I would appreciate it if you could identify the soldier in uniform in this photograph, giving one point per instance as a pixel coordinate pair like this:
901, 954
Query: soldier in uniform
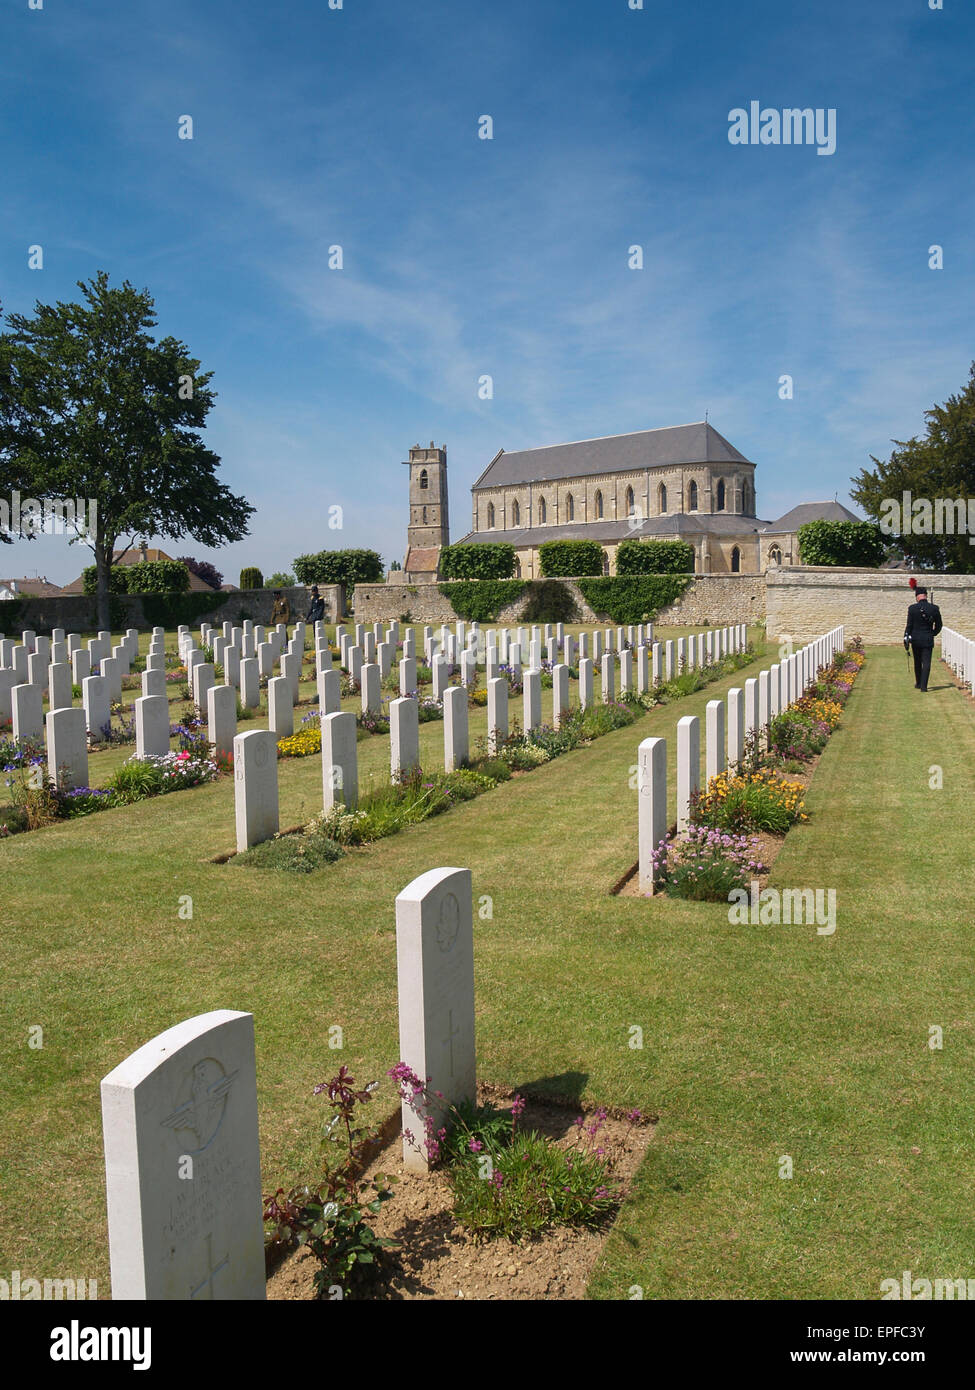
923, 625
316, 609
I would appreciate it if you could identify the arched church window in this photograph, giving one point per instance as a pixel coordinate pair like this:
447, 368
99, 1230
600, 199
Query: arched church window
423, 478
661, 499
515, 514
775, 556
570, 507
692, 497
599, 504
630, 502
735, 560
721, 491
541, 511
490, 516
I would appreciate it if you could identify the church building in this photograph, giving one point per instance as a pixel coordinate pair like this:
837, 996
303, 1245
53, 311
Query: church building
683, 482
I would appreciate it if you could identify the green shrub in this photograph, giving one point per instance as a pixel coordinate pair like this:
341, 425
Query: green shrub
475, 561
481, 600
118, 582
158, 577
654, 557
349, 567
853, 543
294, 854
568, 559
494, 768
169, 610
626, 599
251, 578
549, 601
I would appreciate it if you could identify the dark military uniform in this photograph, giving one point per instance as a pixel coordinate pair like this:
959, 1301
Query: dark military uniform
923, 625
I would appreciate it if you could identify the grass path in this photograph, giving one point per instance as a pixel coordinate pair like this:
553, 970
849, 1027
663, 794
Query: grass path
758, 1041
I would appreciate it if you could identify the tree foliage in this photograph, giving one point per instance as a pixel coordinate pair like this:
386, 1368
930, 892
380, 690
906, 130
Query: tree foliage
478, 561
91, 406
251, 578
632, 598
854, 543
568, 559
938, 467
203, 570
654, 557
347, 567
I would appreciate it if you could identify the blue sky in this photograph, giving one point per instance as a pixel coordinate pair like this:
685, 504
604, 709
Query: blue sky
506, 257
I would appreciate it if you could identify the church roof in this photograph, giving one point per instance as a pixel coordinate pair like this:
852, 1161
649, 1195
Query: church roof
423, 561
616, 453
811, 511
675, 525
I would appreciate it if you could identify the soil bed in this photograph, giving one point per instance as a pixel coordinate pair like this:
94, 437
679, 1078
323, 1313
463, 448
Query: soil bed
439, 1259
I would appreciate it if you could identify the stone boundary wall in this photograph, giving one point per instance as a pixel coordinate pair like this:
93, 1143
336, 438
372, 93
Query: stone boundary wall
720, 600
78, 612
805, 600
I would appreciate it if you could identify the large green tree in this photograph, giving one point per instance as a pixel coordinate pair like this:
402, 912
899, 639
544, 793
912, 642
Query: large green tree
92, 407
938, 468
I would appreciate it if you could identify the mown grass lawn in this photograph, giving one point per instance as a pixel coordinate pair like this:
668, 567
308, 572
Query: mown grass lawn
758, 1042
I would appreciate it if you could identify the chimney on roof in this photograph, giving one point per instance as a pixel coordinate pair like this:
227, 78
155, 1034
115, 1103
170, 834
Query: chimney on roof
143, 552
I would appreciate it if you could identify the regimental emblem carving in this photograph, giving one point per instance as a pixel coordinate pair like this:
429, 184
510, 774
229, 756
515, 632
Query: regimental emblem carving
449, 924
202, 1103
260, 754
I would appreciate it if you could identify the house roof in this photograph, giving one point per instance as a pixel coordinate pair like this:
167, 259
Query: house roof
32, 588
617, 453
134, 557
810, 511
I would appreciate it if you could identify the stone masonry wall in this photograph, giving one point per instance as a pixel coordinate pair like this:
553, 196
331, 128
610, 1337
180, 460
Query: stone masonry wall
78, 612
719, 600
804, 601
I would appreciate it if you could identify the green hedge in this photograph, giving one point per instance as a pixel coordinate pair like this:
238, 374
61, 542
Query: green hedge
654, 557
251, 578
477, 561
549, 601
157, 577
117, 580
857, 543
169, 610
628, 599
481, 600
339, 567
567, 559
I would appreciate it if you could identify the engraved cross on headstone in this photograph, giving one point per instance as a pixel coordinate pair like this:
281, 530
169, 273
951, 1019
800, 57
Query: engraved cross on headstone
214, 1270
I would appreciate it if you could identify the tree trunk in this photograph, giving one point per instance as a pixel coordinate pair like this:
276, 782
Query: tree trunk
103, 556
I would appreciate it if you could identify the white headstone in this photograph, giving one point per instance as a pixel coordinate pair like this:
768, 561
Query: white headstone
688, 768
280, 708
152, 726
250, 686
67, 748
371, 688
435, 974
340, 771
532, 700
28, 719
714, 753
256, 787
97, 708
455, 728
222, 718
183, 1166
497, 707
560, 694
329, 692
652, 784
585, 682
59, 685
404, 736
407, 675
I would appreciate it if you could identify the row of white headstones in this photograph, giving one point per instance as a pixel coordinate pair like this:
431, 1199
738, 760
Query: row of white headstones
728, 725
180, 1124
255, 751
39, 665
958, 652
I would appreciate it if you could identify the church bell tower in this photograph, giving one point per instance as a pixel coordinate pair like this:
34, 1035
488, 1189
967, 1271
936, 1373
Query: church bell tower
429, 528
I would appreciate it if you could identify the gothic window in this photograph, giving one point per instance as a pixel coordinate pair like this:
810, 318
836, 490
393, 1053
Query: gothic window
775, 555
735, 560
423, 478
599, 504
692, 497
570, 508
661, 499
515, 514
630, 502
541, 511
721, 495
490, 516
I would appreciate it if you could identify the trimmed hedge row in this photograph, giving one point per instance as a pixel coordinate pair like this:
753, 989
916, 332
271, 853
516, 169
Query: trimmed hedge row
481, 600
147, 577
654, 557
477, 561
568, 559
633, 598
